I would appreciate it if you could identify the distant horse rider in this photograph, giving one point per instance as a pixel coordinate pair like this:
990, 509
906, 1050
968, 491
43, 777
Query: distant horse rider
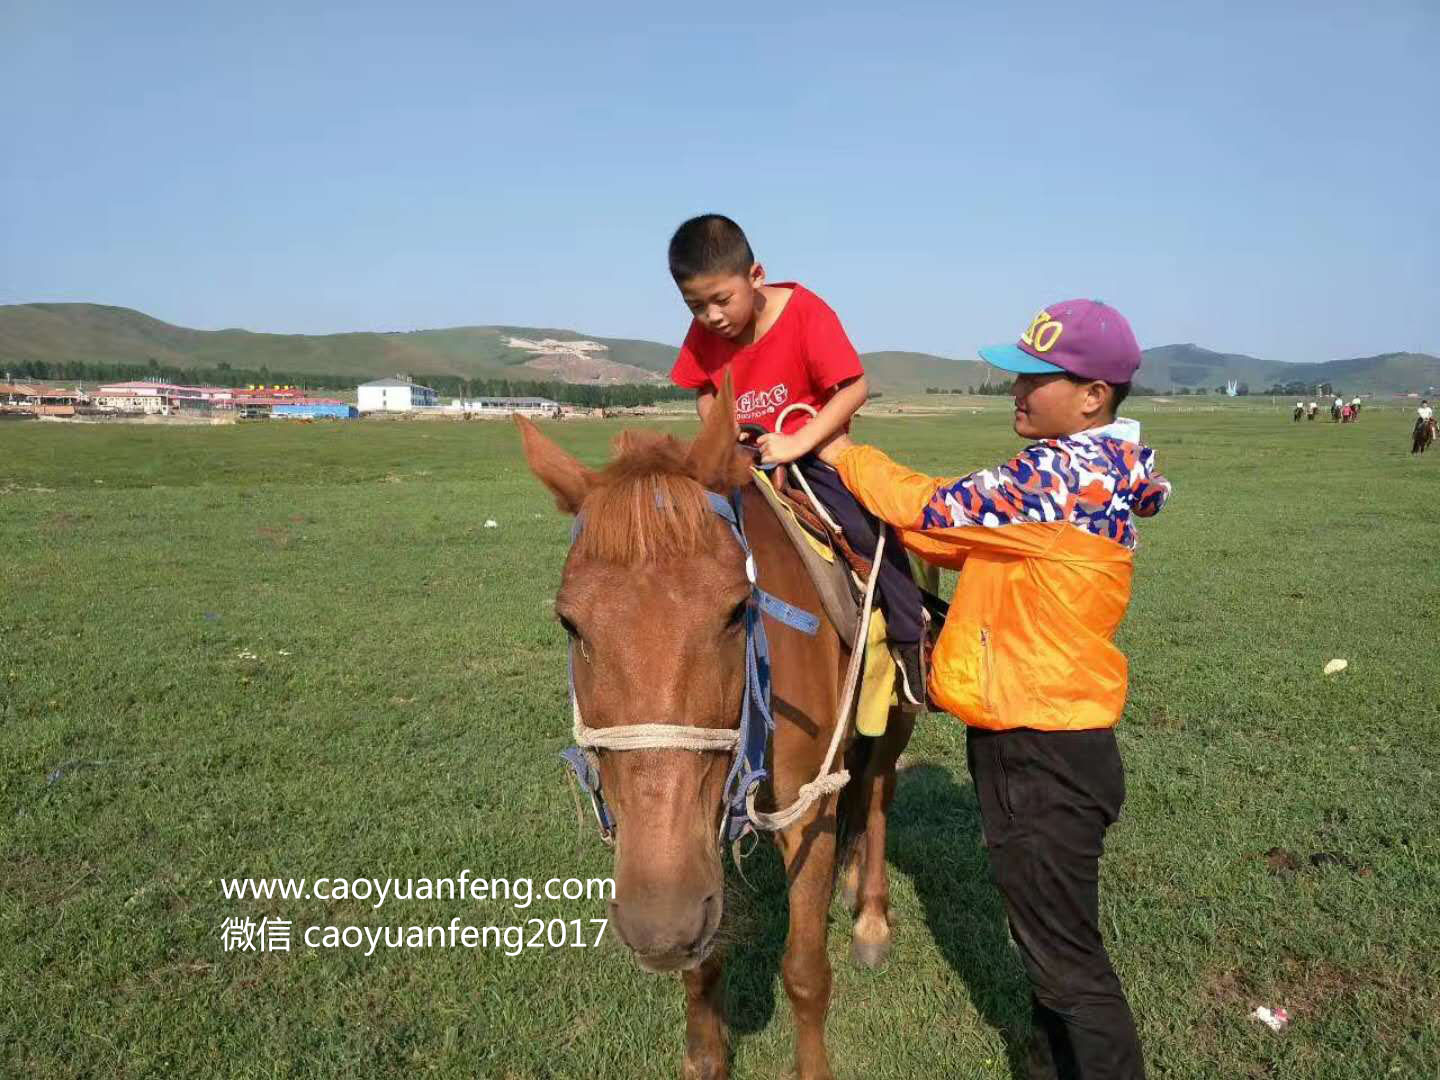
1299, 410
1310, 413
1336, 408
1424, 432
1355, 406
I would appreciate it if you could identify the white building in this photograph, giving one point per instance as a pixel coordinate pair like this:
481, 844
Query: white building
393, 395
158, 398
508, 406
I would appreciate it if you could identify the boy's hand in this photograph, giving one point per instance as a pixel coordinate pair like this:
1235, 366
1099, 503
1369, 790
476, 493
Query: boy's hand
779, 449
830, 451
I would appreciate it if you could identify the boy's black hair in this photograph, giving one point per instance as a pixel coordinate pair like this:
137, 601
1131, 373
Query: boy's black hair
709, 244
1119, 391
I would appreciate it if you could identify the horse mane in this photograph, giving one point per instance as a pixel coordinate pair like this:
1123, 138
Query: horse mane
645, 505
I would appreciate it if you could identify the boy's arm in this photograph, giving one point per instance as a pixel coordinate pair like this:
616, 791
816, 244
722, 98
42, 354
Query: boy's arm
778, 448
832, 362
704, 399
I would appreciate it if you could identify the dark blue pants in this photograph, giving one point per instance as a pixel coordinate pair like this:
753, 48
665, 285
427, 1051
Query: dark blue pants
899, 595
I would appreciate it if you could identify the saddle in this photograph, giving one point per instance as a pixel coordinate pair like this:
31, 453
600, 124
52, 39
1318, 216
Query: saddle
832, 563
839, 573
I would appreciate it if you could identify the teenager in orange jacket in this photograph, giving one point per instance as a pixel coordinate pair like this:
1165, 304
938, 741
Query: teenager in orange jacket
1027, 656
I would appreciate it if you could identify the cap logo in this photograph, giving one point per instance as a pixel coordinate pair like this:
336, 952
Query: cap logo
1043, 332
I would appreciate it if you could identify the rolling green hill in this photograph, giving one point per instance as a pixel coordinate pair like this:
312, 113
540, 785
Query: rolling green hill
1191, 366
96, 333
92, 333
911, 372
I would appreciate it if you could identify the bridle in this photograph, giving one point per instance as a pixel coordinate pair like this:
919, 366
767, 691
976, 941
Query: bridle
746, 743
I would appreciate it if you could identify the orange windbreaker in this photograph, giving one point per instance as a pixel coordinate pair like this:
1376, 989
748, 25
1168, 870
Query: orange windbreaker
1045, 546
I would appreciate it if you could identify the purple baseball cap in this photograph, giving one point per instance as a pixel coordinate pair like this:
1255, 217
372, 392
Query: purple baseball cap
1084, 337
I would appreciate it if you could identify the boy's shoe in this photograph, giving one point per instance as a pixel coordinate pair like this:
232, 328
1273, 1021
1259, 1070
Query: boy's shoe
910, 686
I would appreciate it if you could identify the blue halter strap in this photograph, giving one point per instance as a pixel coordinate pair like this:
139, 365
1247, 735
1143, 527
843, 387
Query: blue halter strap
757, 721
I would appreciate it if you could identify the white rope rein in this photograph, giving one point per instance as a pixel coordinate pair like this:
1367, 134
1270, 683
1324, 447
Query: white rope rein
652, 736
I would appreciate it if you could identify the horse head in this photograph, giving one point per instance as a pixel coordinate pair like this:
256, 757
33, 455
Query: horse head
653, 597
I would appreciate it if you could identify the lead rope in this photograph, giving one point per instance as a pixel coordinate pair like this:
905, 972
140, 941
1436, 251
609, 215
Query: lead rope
826, 782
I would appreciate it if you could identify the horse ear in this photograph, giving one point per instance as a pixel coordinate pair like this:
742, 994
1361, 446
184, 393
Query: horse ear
567, 479
714, 458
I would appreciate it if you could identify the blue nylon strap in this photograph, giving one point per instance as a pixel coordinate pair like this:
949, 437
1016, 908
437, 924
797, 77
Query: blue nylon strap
788, 614
777, 609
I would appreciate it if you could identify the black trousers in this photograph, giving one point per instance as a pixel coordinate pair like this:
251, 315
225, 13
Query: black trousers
1046, 799
896, 588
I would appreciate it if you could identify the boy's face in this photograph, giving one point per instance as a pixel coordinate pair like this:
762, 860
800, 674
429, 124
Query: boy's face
723, 303
1052, 406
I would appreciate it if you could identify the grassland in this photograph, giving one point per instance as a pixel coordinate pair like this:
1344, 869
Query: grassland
297, 651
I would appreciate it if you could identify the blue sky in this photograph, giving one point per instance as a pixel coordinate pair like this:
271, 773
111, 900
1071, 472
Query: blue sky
1255, 178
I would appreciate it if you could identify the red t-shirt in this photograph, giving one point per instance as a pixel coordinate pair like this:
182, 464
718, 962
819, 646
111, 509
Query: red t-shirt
802, 357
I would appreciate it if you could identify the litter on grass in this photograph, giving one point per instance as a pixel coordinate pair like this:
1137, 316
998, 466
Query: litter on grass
491, 523
1336, 666
1275, 1020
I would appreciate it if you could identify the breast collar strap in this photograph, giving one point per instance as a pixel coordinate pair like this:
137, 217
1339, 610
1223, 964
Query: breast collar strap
747, 743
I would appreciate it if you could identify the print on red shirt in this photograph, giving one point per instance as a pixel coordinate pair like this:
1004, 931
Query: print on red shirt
801, 358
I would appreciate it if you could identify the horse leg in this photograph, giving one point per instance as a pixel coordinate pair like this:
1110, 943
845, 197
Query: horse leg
808, 848
870, 941
706, 1055
850, 874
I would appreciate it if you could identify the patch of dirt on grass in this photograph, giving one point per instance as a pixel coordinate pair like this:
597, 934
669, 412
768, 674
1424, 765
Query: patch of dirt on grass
1228, 987
64, 521
1305, 988
1283, 862
278, 535
1279, 860
42, 882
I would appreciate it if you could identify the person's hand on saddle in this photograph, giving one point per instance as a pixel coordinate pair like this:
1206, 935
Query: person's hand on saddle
780, 449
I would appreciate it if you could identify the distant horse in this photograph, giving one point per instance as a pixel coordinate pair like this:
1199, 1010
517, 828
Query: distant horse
1312, 412
1334, 412
657, 596
1423, 436
1299, 411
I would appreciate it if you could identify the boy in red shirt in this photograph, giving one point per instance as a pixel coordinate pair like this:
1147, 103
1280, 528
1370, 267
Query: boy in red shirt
783, 345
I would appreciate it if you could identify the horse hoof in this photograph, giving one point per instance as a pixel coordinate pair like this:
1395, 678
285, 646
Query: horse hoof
869, 954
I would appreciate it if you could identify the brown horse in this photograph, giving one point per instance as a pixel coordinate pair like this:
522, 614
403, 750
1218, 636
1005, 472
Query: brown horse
1424, 435
653, 595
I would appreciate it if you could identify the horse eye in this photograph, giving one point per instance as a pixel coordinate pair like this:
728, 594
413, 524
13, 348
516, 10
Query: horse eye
738, 615
568, 626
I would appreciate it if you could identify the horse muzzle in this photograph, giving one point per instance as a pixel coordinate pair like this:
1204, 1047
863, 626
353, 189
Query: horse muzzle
669, 937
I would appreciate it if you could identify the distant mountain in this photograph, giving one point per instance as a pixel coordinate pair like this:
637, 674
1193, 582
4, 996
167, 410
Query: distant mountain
911, 372
95, 333
1189, 365
1174, 366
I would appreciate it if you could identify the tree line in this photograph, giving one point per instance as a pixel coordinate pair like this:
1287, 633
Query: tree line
1004, 389
625, 395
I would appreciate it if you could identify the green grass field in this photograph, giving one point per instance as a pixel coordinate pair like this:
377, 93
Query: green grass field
296, 651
